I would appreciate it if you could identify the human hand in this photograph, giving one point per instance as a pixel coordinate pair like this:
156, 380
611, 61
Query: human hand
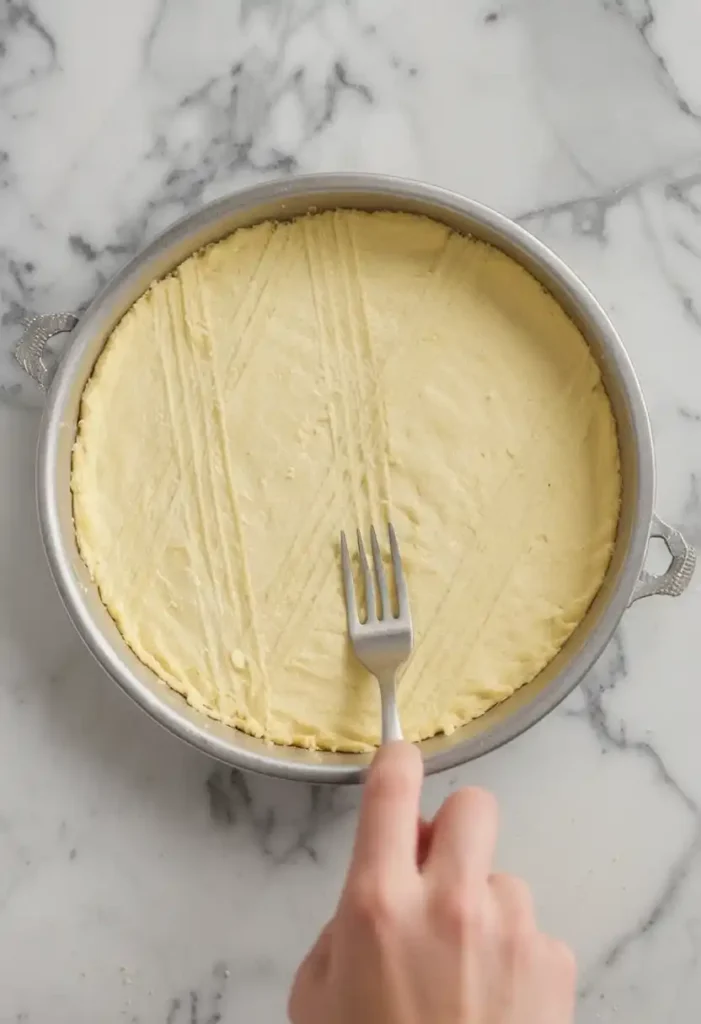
424, 931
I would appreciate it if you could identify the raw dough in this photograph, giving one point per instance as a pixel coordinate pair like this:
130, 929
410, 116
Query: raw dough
302, 377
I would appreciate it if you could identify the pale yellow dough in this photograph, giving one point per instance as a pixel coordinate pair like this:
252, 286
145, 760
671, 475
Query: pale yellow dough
302, 377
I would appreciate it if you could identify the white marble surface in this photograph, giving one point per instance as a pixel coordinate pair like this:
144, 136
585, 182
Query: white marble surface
140, 882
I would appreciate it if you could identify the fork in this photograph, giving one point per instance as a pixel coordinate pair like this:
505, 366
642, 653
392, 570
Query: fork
380, 643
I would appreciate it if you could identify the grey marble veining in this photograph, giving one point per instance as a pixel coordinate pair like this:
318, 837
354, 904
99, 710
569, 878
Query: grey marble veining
140, 882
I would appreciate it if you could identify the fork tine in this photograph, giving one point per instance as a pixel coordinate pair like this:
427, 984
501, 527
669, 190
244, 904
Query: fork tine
385, 603
348, 586
370, 603
399, 580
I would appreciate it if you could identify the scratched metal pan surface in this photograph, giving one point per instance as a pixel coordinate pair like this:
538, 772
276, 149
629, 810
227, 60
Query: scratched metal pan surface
626, 579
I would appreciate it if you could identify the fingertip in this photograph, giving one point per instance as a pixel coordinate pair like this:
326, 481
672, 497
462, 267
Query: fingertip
397, 770
564, 958
516, 899
398, 752
465, 832
474, 802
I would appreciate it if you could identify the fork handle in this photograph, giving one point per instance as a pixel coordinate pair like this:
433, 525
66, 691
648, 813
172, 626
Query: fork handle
391, 726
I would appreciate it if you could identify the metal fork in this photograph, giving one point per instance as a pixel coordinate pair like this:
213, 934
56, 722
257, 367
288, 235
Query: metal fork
381, 643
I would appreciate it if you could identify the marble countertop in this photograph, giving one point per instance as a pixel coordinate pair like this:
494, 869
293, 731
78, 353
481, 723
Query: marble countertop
140, 882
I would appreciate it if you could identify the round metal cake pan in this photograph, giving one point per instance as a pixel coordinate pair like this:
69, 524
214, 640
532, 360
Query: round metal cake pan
626, 579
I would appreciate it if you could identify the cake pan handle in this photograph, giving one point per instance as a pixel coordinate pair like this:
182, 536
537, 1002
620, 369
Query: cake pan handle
677, 577
31, 348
